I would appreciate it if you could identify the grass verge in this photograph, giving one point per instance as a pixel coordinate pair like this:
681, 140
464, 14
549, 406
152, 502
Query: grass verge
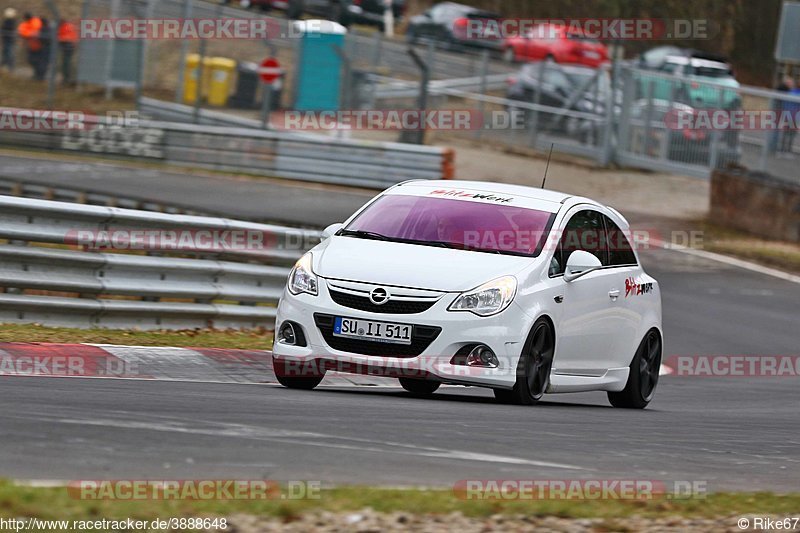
258, 339
57, 504
778, 254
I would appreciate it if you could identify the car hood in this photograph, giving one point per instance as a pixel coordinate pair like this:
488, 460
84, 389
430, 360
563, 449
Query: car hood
411, 265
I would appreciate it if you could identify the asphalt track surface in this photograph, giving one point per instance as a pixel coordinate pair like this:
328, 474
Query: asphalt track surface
260, 200
731, 433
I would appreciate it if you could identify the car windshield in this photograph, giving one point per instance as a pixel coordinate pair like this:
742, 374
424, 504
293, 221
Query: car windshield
582, 38
460, 224
712, 71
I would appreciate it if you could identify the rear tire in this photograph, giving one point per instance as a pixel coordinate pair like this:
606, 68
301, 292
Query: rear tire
533, 369
643, 375
419, 387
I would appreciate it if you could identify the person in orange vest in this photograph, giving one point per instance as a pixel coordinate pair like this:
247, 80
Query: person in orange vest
29, 30
67, 41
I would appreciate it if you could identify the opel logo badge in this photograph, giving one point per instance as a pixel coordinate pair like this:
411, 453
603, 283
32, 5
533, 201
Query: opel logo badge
379, 296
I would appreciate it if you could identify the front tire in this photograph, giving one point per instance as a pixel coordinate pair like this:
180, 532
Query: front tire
419, 387
643, 375
307, 381
533, 369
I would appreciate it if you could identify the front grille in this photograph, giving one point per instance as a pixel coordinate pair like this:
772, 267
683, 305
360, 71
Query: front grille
395, 307
421, 338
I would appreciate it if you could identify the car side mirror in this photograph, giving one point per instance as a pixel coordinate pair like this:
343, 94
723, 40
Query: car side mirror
579, 264
331, 230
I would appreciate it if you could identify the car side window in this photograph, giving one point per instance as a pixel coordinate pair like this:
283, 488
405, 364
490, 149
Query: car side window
620, 252
584, 231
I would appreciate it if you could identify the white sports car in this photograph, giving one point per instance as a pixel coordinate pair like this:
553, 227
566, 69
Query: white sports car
522, 290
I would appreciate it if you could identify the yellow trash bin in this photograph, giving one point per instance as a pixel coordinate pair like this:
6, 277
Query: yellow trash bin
191, 76
220, 80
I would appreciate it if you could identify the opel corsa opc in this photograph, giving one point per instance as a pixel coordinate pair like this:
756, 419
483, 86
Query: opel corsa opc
522, 290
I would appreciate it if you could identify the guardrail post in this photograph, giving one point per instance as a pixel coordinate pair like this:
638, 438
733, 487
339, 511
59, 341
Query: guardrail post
52, 60
607, 153
345, 98
187, 14
628, 91
537, 99
648, 115
418, 137
483, 85
663, 152
431, 55
377, 50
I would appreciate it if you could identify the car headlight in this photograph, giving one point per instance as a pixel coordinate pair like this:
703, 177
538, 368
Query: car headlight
302, 278
488, 299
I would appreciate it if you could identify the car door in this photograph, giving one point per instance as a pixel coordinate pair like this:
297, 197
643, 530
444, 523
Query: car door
587, 318
635, 294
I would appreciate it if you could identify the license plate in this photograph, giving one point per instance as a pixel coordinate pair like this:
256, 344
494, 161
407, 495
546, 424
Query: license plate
592, 55
372, 331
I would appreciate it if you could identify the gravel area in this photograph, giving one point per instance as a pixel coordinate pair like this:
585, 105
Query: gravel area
367, 521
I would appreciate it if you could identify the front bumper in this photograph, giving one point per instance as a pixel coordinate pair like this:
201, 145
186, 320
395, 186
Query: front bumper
504, 333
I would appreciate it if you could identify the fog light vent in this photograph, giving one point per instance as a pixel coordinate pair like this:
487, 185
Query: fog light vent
291, 334
475, 355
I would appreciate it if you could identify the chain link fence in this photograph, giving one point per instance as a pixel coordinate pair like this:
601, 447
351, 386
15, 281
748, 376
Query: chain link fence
640, 118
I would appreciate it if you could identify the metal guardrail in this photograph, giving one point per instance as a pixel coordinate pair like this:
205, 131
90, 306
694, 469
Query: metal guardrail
218, 286
394, 88
307, 157
22, 188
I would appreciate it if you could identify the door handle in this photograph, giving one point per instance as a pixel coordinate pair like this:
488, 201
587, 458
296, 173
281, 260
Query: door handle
613, 294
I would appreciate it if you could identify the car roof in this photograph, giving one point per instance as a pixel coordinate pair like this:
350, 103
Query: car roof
697, 62
533, 197
553, 198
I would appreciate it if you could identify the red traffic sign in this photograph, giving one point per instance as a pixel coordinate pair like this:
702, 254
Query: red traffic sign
270, 70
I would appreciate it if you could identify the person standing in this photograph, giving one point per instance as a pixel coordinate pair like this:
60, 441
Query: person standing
67, 41
776, 136
8, 37
792, 109
29, 30
43, 59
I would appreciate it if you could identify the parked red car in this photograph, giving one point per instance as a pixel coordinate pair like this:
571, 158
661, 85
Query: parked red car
555, 42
